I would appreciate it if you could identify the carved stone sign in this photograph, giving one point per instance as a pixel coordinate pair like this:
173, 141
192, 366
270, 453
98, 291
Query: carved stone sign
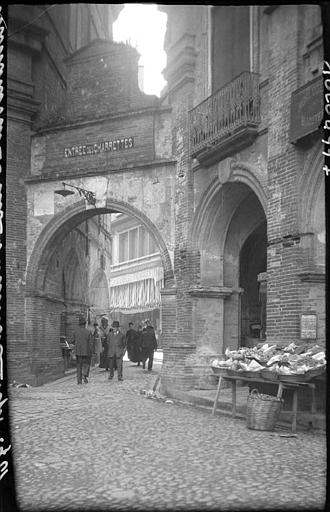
306, 109
308, 326
99, 147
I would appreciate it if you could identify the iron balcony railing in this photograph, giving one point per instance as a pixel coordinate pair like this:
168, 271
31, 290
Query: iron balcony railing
234, 106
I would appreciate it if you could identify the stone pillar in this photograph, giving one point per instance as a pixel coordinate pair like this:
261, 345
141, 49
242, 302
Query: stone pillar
208, 332
168, 313
173, 375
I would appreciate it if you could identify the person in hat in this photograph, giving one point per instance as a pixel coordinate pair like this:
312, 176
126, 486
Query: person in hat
104, 331
132, 340
149, 345
83, 341
116, 350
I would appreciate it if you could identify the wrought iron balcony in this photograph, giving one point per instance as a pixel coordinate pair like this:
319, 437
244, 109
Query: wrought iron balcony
227, 121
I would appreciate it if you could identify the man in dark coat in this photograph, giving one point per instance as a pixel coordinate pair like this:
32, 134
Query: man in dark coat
130, 341
83, 341
149, 345
104, 331
116, 350
133, 349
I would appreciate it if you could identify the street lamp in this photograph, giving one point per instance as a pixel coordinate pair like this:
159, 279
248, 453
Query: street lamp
87, 194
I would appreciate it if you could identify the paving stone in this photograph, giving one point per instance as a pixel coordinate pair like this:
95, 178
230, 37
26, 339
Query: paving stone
104, 446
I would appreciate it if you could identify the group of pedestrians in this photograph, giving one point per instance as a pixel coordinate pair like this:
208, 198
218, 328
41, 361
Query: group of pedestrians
107, 346
141, 344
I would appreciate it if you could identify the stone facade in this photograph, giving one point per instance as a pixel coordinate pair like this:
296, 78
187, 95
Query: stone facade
102, 135
250, 246
220, 176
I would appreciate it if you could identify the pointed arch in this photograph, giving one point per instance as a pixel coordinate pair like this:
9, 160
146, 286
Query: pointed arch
98, 291
69, 218
239, 172
309, 184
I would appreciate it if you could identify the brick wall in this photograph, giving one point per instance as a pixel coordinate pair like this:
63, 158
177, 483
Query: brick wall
21, 107
102, 88
27, 63
282, 292
286, 296
16, 217
275, 162
45, 358
102, 80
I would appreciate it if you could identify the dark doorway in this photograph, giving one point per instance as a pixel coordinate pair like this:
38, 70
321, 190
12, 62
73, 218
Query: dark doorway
253, 262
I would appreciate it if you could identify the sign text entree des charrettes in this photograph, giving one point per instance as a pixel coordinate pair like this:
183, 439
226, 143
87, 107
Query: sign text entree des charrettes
99, 147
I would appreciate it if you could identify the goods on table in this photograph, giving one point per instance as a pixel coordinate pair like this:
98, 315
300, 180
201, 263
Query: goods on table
290, 360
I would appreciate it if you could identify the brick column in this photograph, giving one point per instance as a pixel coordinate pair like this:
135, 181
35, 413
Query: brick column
283, 255
20, 109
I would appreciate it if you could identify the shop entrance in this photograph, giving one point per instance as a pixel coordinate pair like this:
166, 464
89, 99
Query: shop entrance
253, 262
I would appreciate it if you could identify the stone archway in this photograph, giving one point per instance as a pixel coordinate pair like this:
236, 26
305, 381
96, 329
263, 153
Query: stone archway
229, 171
311, 211
228, 213
44, 308
62, 223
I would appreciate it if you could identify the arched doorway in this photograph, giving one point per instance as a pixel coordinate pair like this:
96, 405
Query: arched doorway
244, 259
58, 281
229, 229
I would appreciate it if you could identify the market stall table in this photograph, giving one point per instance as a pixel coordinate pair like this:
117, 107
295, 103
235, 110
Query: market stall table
282, 384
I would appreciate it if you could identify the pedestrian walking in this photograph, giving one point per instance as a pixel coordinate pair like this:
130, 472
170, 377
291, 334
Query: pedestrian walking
83, 341
104, 331
139, 344
97, 343
133, 352
116, 350
149, 345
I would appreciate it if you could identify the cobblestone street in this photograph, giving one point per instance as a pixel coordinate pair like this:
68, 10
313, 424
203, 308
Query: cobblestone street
105, 446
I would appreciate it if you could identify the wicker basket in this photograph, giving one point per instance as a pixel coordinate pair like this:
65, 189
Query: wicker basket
262, 411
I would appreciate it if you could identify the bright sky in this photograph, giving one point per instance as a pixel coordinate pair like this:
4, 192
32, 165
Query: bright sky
143, 26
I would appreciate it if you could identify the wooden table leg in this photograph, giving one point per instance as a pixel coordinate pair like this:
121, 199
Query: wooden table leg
280, 390
294, 410
233, 398
216, 396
